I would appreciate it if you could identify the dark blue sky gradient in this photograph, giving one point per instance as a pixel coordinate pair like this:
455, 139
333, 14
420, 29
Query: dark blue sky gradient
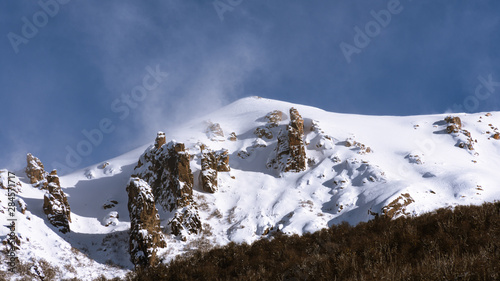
65, 79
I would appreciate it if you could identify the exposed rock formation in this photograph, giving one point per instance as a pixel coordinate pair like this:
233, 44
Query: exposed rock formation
273, 119
167, 170
321, 140
22, 205
262, 132
12, 242
35, 170
160, 140
213, 162
103, 165
185, 221
233, 137
55, 204
214, 132
109, 204
397, 207
290, 155
455, 124
362, 149
145, 232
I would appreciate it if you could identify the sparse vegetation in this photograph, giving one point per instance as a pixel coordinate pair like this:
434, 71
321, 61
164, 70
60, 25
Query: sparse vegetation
459, 244
216, 214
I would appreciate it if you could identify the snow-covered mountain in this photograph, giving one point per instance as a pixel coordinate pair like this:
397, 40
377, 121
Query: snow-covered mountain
244, 172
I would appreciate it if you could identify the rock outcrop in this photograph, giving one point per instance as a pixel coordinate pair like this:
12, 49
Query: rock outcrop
397, 207
35, 171
233, 136
214, 132
55, 204
290, 155
167, 170
320, 140
273, 119
361, 148
145, 233
213, 162
263, 132
160, 140
455, 124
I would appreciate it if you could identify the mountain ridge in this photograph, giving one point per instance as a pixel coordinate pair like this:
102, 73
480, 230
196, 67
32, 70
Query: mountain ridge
357, 167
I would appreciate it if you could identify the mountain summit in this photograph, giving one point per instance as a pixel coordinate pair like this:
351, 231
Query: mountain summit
245, 172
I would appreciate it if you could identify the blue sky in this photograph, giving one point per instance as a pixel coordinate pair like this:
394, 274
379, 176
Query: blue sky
69, 66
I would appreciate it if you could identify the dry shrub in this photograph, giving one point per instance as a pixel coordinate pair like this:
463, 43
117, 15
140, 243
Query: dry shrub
459, 244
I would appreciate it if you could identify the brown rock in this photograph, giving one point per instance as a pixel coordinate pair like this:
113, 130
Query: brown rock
233, 137
55, 204
34, 169
53, 178
290, 153
398, 207
109, 204
160, 139
213, 162
452, 129
167, 170
275, 117
496, 136
262, 132
22, 205
145, 233
186, 220
12, 242
222, 157
103, 165
214, 132
456, 124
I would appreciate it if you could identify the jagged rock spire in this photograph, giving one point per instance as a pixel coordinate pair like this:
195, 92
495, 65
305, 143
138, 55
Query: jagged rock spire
290, 154
167, 170
55, 204
145, 232
35, 170
213, 162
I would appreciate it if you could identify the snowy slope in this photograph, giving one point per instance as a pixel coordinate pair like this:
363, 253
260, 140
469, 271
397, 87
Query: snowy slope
358, 166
